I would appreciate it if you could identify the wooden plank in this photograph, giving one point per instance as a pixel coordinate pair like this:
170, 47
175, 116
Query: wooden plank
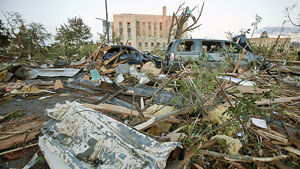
248, 89
292, 150
114, 57
265, 102
272, 136
110, 108
99, 58
121, 62
18, 149
238, 63
280, 143
14, 140
278, 100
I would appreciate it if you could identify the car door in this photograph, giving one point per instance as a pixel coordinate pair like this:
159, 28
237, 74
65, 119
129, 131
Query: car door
212, 53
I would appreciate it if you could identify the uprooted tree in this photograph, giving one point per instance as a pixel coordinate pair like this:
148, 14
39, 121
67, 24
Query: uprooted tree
25, 39
72, 35
179, 23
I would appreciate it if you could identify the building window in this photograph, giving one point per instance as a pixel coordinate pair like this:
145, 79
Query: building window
129, 33
158, 44
140, 44
138, 28
128, 24
149, 29
144, 25
120, 28
144, 28
146, 44
152, 44
155, 28
160, 26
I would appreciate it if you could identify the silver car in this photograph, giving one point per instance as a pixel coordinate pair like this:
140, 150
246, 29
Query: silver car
208, 53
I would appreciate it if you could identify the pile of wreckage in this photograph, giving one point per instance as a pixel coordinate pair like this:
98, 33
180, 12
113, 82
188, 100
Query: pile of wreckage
125, 112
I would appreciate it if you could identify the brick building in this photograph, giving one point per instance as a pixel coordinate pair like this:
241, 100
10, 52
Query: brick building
144, 32
265, 41
283, 43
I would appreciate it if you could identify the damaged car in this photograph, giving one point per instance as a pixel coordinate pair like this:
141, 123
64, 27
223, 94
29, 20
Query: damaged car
207, 53
135, 56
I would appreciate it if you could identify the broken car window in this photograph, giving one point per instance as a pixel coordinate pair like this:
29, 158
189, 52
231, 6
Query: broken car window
186, 46
132, 51
211, 47
113, 50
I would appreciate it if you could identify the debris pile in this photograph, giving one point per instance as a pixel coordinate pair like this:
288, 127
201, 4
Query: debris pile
119, 109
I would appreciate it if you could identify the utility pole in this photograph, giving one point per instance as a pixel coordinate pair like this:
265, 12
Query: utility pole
107, 26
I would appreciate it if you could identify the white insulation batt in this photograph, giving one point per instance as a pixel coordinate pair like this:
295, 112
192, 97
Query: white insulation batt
78, 137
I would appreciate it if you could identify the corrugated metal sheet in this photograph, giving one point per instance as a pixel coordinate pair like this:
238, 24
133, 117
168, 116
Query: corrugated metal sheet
79, 137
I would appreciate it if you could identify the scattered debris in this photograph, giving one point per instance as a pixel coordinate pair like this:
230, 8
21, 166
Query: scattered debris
143, 78
234, 144
150, 68
30, 73
237, 81
124, 110
217, 115
259, 123
96, 137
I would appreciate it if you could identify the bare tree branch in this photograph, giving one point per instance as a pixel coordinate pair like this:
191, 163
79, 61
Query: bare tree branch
188, 28
289, 17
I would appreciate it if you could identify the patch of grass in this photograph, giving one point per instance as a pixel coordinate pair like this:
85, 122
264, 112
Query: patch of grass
16, 114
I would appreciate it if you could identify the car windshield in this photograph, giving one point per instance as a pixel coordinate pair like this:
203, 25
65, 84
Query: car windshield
169, 47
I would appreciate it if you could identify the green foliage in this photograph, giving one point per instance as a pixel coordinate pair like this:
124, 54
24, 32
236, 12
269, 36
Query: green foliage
72, 35
15, 115
194, 134
87, 50
56, 50
294, 163
25, 39
251, 146
245, 107
75, 32
4, 39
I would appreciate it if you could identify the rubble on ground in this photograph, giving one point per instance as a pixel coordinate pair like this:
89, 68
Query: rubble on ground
129, 113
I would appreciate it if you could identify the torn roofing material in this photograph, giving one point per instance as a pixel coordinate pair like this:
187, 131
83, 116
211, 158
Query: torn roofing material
164, 96
79, 137
32, 73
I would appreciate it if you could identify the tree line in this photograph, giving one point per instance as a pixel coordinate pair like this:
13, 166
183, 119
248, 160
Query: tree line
32, 40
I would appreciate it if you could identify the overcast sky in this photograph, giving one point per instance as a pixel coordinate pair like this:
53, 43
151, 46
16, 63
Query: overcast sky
219, 16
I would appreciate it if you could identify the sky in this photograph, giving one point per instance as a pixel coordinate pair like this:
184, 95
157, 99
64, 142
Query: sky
218, 17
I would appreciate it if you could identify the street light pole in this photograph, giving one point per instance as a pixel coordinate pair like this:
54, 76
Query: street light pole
107, 26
